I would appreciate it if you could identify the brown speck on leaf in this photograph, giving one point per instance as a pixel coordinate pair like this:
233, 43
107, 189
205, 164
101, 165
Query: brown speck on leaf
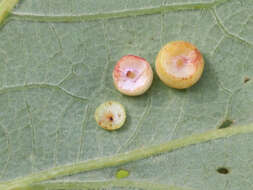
223, 171
246, 79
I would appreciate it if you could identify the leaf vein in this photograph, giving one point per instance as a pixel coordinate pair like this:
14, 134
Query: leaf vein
115, 14
40, 85
127, 157
226, 32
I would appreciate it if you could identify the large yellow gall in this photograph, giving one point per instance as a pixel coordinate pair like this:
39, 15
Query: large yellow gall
179, 64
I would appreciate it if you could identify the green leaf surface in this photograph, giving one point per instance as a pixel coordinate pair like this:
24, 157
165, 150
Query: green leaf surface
56, 62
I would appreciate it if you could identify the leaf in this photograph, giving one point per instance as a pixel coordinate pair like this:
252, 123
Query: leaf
56, 60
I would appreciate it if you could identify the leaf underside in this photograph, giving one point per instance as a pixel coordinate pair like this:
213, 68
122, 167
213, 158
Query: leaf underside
56, 62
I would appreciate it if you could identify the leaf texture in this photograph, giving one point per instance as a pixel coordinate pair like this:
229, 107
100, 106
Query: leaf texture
56, 62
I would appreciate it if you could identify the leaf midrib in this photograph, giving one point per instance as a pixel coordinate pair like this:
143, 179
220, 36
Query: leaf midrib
124, 158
